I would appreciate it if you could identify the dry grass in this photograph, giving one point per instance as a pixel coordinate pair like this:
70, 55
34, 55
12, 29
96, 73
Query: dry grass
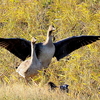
23, 92
21, 18
19, 91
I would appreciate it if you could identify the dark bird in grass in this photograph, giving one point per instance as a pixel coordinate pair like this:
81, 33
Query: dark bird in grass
52, 85
63, 88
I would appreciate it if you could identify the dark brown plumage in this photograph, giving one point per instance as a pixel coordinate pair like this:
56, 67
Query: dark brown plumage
22, 48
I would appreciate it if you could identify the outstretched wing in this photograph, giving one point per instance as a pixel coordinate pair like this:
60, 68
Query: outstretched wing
22, 48
66, 46
18, 46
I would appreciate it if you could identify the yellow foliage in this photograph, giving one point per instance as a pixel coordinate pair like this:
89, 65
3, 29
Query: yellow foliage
27, 18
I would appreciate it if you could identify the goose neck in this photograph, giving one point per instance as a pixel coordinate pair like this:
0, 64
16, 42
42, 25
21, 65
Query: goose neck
33, 53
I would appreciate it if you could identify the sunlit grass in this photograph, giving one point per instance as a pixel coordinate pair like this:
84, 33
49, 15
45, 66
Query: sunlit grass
80, 70
20, 91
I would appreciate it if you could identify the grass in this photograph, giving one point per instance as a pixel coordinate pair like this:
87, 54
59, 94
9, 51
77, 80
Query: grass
20, 91
23, 92
80, 70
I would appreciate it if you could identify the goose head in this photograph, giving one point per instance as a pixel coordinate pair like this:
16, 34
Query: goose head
33, 40
50, 29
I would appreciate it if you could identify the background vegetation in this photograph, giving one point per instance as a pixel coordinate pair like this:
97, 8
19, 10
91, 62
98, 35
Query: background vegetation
81, 69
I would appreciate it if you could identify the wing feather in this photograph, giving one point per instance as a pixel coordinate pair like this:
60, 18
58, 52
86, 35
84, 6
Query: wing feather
18, 46
66, 46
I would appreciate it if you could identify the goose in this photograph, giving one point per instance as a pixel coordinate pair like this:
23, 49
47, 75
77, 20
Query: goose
29, 68
46, 51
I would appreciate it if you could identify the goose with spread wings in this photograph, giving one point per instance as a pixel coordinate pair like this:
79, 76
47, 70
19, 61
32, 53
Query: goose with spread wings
46, 51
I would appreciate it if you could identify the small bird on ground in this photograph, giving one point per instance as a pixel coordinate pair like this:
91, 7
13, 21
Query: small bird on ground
63, 88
